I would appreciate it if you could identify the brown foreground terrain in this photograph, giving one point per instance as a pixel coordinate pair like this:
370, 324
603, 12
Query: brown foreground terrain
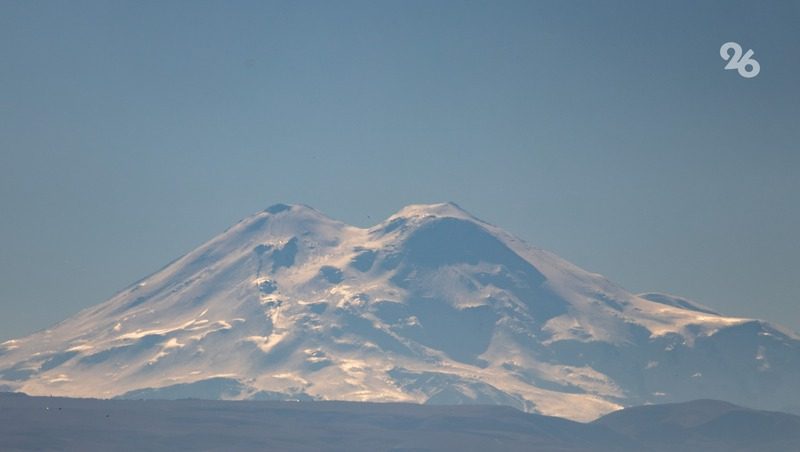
55, 423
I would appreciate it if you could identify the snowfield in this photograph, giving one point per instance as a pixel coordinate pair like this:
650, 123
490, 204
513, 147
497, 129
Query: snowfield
430, 306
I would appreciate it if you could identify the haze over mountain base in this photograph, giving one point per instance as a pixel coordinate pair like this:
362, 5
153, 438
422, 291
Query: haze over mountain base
53, 423
430, 306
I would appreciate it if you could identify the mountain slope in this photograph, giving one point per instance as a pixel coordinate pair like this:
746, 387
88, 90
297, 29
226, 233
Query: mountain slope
431, 305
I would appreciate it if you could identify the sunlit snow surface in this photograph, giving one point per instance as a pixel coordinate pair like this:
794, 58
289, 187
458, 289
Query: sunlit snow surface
431, 305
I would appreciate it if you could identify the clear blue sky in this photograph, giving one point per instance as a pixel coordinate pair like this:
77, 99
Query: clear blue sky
607, 132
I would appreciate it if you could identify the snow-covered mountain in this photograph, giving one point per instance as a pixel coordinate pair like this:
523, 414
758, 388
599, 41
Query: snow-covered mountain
431, 305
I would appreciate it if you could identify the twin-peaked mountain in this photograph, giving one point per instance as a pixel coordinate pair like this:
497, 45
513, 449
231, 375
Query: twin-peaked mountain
431, 306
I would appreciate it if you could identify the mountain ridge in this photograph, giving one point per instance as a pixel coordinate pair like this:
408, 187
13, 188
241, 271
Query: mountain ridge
430, 305
48, 423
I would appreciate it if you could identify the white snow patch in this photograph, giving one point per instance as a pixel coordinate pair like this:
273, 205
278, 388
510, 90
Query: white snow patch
61, 378
266, 343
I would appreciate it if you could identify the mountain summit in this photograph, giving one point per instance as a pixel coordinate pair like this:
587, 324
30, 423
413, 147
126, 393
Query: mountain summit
432, 305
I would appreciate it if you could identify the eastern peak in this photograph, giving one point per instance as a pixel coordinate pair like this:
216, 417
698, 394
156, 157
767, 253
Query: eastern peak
441, 210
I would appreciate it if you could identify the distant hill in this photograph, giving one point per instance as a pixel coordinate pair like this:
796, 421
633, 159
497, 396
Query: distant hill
704, 425
56, 423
